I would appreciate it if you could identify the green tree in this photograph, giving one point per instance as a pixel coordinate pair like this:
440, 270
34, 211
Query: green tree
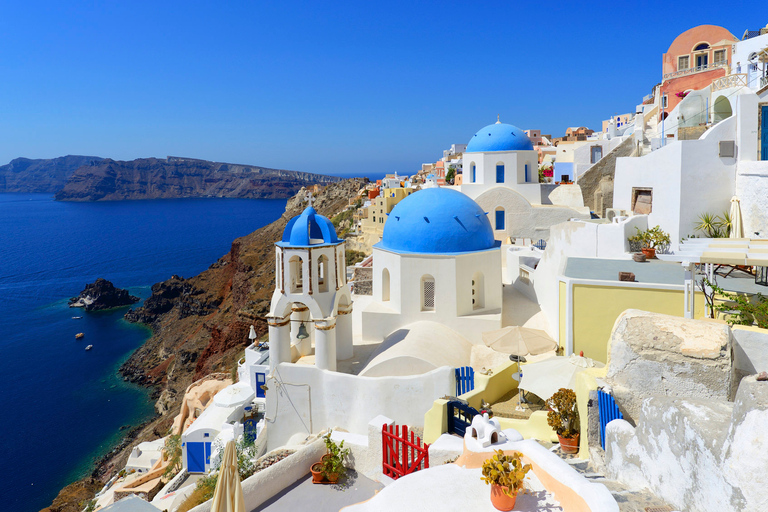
451, 174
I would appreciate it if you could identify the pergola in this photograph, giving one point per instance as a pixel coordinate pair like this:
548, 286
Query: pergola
736, 252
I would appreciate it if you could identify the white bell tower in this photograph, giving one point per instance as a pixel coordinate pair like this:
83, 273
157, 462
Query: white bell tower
312, 300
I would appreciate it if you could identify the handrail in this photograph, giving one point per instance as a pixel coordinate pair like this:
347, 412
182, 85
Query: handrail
724, 82
690, 71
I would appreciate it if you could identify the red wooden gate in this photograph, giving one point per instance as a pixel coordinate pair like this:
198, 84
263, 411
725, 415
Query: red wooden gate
401, 455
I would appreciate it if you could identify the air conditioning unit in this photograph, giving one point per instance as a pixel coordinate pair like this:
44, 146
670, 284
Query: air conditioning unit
614, 213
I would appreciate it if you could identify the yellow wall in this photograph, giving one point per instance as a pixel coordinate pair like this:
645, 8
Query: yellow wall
595, 309
563, 315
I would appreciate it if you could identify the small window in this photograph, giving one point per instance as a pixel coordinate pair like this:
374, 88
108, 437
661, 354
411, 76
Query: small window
701, 47
664, 101
527, 179
499, 219
428, 293
500, 173
642, 200
719, 56
683, 62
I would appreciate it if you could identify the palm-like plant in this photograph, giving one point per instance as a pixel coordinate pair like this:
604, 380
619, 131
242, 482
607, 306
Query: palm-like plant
710, 225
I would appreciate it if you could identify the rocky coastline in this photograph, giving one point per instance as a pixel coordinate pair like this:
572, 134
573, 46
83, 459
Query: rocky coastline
101, 295
200, 325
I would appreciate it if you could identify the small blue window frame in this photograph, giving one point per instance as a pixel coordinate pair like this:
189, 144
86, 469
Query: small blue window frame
499, 220
500, 173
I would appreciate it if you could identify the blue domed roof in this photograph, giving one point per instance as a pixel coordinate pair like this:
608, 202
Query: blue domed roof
309, 228
499, 137
437, 221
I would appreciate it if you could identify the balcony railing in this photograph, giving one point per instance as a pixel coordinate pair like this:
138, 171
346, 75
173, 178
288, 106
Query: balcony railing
700, 69
724, 82
763, 81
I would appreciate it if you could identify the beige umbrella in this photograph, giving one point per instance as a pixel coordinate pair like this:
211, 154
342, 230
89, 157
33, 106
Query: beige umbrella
737, 227
520, 341
228, 496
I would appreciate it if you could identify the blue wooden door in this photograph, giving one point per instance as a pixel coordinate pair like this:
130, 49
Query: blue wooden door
764, 135
196, 457
261, 379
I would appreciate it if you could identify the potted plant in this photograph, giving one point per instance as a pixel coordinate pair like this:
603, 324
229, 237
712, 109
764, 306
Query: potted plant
331, 466
505, 474
650, 239
563, 417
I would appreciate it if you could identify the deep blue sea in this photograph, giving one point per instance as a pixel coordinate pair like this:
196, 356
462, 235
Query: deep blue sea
62, 407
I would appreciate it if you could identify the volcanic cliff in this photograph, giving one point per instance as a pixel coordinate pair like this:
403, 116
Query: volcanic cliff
200, 325
175, 177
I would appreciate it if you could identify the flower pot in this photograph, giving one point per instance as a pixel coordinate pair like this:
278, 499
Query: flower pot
569, 444
650, 252
332, 478
317, 473
500, 500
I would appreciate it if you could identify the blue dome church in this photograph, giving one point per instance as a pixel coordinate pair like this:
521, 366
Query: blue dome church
501, 173
437, 261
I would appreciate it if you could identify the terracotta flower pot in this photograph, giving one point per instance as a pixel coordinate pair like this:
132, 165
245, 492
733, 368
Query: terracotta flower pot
500, 500
317, 473
569, 444
649, 252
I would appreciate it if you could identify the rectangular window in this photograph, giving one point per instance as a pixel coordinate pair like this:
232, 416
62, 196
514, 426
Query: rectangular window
429, 294
499, 219
664, 101
500, 174
473, 174
719, 57
642, 200
683, 63
526, 173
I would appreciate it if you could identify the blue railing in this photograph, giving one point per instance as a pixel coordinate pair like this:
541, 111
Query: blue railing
609, 411
465, 380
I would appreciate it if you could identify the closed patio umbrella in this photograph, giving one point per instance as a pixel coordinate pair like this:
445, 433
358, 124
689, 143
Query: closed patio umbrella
545, 377
228, 496
520, 341
737, 227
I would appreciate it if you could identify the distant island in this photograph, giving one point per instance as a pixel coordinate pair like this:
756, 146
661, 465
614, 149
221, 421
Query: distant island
88, 178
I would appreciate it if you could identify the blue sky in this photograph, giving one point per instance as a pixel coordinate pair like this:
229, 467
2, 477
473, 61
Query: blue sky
338, 87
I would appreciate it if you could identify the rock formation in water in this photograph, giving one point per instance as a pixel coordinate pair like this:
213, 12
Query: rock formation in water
41, 176
174, 177
102, 294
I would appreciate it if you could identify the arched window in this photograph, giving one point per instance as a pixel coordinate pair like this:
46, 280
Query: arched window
278, 273
478, 292
385, 285
527, 175
499, 173
297, 274
472, 173
322, 273
701, 46
427, 293
500, 225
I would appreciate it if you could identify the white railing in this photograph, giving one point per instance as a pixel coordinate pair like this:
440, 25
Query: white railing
690, 71
724, 82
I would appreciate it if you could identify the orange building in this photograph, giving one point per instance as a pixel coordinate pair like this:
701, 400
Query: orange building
694, 59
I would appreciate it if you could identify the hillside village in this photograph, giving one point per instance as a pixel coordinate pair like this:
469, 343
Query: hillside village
617, 276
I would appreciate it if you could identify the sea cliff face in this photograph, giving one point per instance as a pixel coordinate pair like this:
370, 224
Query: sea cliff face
200, 325
174, 177
40, 176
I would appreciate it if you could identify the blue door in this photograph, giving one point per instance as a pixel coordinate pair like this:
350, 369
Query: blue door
261, 379
764, 135
196, 457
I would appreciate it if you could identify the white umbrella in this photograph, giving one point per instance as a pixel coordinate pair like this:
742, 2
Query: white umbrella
228, 496
520, 341
234, 395
545, 377
252, 335
737, 227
